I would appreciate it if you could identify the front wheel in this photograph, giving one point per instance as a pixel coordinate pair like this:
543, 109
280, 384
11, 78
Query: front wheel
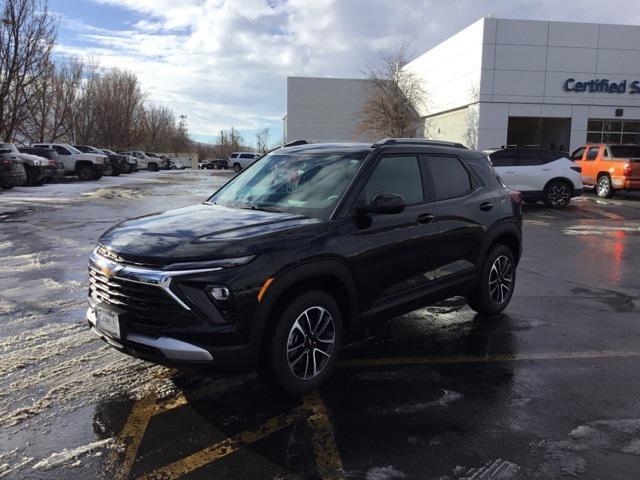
153, 167
557, 194
496, 282
306, 342
85, 173
604, 189
236, 167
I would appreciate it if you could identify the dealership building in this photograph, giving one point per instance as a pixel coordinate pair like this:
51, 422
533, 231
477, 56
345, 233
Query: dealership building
501, 82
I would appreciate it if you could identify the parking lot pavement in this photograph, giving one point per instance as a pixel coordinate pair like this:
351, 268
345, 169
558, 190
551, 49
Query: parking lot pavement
547, 390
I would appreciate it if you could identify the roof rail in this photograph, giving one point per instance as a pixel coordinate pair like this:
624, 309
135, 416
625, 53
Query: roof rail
416, 141
294, 143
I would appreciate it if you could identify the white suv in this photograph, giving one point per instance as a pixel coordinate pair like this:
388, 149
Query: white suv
145, 162
240, 160
539, 174
87, 166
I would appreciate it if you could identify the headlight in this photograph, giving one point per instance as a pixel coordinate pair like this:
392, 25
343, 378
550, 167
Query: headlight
220, 263
36, 163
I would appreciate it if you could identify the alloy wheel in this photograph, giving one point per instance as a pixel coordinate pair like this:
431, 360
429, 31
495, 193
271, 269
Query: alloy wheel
500, 279
559, 195
310, 342
603, 186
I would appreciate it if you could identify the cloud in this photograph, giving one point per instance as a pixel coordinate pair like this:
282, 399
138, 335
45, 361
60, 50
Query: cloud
225, 63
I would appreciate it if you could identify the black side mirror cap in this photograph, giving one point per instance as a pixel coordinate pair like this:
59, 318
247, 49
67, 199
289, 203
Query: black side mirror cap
384, 203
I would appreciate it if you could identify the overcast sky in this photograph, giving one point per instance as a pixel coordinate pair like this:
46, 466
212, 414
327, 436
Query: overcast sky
225, 63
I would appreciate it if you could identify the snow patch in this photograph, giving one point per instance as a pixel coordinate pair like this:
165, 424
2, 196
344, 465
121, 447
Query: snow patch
447, 397
70, 457
383, 473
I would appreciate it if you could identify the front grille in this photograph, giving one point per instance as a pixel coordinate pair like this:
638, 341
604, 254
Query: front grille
146, 304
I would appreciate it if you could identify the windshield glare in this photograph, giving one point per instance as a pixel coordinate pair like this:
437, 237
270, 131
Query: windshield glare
297, 183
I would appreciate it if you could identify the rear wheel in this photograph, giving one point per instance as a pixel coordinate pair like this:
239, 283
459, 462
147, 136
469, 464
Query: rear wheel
305, 342
604, 189
557, 194
496, 282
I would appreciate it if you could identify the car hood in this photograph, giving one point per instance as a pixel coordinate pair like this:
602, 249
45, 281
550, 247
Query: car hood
198, 232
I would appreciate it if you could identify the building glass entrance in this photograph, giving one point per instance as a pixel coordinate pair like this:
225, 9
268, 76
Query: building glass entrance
543, 132
613, 131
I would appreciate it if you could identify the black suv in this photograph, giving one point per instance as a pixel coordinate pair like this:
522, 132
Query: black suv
300, 251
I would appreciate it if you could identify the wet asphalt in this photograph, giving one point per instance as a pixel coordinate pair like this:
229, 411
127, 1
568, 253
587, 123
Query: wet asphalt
549, 389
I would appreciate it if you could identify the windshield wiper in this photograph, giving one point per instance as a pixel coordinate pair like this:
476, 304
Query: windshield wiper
262, 208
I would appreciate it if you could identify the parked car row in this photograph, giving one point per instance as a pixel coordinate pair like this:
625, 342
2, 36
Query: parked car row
237, 160
556, 177
43, 162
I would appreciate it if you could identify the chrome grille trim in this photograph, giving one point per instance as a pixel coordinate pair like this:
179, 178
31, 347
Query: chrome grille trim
99, 265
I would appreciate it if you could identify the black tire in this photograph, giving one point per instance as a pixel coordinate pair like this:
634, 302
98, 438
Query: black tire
85, 172
236, 167
604, 188
31, 176
486, 300
557, 194
153, 167
281, 355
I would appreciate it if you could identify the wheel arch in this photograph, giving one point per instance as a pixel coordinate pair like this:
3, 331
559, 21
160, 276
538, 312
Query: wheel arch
332, 276
506, 233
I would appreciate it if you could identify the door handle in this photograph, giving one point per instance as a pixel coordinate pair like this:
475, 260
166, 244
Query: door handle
425, 218
486, 206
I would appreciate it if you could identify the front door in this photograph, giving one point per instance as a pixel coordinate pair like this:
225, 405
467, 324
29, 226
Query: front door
396, 251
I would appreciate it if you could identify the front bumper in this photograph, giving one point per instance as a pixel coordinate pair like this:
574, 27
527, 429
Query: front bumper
167, 348
167, 322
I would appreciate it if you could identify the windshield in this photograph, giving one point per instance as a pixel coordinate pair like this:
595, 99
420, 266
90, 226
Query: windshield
297, 183
72, 149
625, 151
9, 146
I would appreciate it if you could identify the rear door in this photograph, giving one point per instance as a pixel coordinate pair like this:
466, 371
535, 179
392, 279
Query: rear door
531, 173
505, 163
464, 208
397, 252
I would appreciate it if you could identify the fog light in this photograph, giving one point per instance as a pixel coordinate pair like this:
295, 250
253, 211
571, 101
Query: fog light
220, 293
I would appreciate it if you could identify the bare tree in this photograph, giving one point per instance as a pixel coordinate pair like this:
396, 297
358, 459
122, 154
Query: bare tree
393, 97
159, 128
50, 103
228, 142
27, 34
262, 140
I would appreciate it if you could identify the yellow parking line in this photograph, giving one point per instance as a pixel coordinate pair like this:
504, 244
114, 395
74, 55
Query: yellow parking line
224, 447
391, 361
328, 459
130, 437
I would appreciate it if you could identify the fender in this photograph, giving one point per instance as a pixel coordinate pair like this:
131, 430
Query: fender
296, 274
503, 227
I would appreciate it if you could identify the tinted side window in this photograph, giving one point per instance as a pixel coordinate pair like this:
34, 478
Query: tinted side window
504, 158
450, 178
577, 155
529, 158
247, 155
399, 175
592, 153
61, 150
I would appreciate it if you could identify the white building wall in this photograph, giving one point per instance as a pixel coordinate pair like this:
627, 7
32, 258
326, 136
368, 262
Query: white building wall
323, 109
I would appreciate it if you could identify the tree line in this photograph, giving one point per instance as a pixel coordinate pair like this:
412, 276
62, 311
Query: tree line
72, 100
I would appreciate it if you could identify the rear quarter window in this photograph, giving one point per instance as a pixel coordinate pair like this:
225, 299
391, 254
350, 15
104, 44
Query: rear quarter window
450, 177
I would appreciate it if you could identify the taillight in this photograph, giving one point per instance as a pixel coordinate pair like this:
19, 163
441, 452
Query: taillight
576, 169
626, 170
5, 162
516, 196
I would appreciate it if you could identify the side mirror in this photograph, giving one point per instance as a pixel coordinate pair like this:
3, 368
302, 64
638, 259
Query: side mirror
385, 203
